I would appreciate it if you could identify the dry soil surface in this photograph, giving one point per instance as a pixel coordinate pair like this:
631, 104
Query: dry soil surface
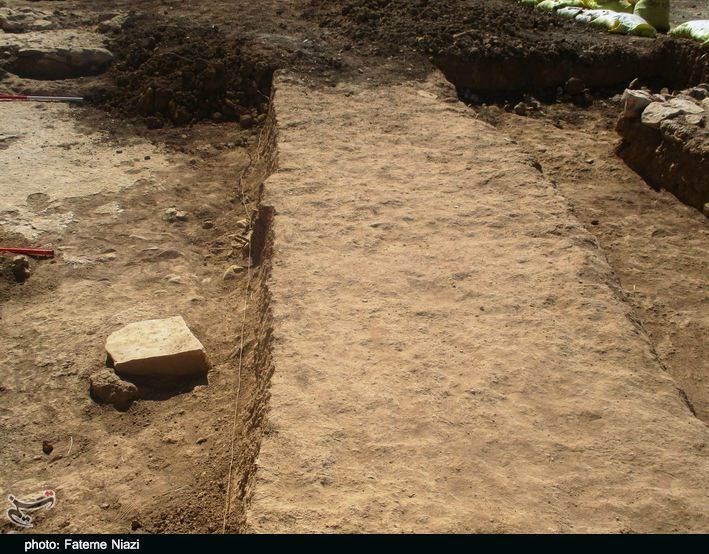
656, 245
100, 201
452, 351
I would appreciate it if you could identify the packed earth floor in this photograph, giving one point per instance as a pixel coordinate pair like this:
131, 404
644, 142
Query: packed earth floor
433, 296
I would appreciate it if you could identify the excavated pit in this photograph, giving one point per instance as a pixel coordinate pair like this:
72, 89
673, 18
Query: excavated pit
494, 78
672, 160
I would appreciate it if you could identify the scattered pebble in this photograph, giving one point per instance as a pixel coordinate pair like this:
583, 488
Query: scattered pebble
21, 268
233, 272
574, 86
47, 447
173, 214
246, 121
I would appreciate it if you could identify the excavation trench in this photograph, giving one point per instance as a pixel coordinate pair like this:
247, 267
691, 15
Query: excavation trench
257, 368
493, 78
673, 160
513, 81
646, 232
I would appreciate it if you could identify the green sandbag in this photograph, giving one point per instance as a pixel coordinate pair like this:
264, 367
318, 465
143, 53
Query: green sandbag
695, 30
655, 12
569, 13
552, 5
631, 24
616, 5
604, 19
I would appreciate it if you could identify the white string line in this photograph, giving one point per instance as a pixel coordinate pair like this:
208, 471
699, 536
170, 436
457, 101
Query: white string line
227, 502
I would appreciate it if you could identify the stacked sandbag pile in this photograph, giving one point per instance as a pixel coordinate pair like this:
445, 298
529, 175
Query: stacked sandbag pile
666, 140
629, 17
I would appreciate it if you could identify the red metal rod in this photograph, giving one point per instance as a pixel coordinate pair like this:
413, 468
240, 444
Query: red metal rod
32, 252
29, 98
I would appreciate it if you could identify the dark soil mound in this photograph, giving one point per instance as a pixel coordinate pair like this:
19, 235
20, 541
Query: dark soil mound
497, 46
178, 73
460, 27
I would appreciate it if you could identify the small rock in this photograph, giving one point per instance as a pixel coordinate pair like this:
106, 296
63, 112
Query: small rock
698, 93
657, 112
634, 84
201, 440
694, 119
105, 506
686, 106
21, 268
47, 447
153, 122
521, 109
169, 254
574, 86
108, 388
233, 272
208, 225
246, 121
173, 214
113, 25
135, 525
635, 102
157, 347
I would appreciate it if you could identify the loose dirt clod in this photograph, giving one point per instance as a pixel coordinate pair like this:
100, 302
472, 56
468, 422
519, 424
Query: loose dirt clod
21, 268
108, 388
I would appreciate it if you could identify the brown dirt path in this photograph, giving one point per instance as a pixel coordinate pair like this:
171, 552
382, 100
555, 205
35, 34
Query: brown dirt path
451, 349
